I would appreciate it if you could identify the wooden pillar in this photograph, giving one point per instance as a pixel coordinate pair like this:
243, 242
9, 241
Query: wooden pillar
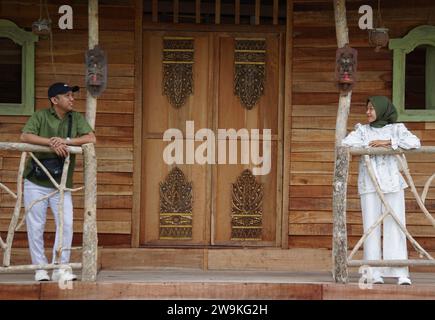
275, 11
339, 245
198, 11
90, 236
287, 122
218, 12
90, 239
257, 12
237, 12
137, 142
176, 10
155, 11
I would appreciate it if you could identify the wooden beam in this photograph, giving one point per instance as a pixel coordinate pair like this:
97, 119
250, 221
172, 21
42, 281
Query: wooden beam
257, 12
198, 11
390, 263
218, 12
378, 151
155, 10
176, 10
33, 148
287, 122
137, 139
237, 12
275, 11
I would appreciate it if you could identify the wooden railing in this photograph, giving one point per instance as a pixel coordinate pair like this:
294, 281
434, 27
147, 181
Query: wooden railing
89, 246
340, 258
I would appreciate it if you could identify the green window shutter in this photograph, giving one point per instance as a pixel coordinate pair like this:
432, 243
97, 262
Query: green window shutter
421, 35
430, 78
26, 40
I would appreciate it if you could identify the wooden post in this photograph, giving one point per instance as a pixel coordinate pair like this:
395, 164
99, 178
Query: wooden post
16, 213
90, 237
218, 12
237, 12
176, 10
60, 206
155, 11
257, 12
341, 169
91, 102
339, 245
198, 11
275, 11
287, 123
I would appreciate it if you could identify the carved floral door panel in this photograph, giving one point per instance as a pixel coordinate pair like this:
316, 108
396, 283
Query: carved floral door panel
218, 81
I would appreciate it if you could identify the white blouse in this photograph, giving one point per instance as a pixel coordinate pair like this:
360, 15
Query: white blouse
385, 167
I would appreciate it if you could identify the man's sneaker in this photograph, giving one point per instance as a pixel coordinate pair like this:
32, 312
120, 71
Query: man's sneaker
41, 275
404, 281
64, 275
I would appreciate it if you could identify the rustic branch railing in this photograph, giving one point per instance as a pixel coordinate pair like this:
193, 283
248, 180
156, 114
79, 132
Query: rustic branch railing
89, 254
342, 262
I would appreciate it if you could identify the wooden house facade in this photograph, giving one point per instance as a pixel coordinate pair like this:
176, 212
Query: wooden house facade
173, 62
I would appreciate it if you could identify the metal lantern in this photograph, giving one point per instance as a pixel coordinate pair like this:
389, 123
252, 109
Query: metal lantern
41, 27
378, 37
96, 71
346, 59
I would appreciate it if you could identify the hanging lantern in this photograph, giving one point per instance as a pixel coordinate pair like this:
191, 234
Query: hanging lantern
96, 71
378, 37
346, 66
42, 26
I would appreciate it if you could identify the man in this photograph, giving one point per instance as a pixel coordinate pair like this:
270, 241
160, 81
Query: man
50, 127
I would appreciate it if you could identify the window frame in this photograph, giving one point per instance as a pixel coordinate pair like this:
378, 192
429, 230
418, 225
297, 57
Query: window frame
421, 35
26, 40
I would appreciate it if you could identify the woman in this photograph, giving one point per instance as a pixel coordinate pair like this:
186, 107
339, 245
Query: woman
383, 131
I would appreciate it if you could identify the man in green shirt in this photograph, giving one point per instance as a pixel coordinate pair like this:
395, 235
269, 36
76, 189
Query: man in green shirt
50, 127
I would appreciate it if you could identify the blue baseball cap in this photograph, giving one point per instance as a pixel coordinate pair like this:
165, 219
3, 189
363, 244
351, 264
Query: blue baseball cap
60, 88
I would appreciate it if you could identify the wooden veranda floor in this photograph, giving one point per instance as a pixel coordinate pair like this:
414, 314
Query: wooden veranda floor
198, 284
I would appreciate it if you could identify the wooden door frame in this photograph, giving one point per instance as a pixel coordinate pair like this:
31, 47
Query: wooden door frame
284, 114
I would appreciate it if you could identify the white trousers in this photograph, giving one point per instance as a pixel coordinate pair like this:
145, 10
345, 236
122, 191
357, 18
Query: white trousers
36, 217
394, 240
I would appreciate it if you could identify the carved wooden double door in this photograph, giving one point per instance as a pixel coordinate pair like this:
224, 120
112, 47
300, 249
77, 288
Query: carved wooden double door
211, 80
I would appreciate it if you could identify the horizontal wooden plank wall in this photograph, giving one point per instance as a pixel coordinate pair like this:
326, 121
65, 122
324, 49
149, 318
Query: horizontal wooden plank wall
114, 120
314, 93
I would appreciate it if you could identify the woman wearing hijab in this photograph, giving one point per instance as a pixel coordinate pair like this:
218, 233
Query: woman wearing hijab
383, 131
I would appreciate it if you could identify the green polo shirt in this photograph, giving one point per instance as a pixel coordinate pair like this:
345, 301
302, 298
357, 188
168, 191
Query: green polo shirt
46, 123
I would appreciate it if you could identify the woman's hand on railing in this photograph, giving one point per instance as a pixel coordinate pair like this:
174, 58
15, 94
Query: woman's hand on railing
380, 143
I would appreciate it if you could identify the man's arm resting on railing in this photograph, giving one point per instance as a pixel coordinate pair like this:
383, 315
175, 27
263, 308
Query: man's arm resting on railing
60, 149
78, 141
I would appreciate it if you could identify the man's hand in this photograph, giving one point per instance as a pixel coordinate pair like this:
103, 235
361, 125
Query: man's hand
380, 143
56, 141
59, 146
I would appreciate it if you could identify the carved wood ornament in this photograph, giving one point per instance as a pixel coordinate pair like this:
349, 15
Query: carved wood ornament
176, 206
250, 70
247, 208
178, 54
